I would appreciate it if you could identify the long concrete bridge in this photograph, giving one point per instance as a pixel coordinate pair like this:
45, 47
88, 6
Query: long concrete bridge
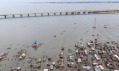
80, 12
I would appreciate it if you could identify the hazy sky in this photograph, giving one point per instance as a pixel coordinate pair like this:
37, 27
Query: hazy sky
49, 0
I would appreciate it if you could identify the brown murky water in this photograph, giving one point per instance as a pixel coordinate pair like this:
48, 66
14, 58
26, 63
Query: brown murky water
21, 33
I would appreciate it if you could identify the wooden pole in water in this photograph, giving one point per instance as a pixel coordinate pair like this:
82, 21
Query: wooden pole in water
94, 27
54, 13
60, 13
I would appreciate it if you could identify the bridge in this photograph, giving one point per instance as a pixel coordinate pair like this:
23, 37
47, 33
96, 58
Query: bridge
80, 12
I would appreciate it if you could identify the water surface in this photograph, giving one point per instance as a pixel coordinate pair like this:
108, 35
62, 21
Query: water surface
22, 32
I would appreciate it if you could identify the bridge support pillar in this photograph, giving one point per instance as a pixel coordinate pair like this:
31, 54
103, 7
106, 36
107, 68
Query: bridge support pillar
66, 13
13, 16
48, 14
72, 13
21, 15
35, 14
41, 14
84, 12
78, 13
28, 15
5, 16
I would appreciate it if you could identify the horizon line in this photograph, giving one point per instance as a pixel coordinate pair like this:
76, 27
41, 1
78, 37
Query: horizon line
79, 2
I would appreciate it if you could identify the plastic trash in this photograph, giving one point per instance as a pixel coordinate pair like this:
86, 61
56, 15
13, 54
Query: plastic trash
19, 69
45, 70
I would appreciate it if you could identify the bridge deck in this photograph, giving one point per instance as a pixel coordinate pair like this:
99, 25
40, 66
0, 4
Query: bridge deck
80, 12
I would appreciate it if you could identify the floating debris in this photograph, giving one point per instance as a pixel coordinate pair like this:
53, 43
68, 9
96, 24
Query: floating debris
50, 59
3, 56
45, 70
93, 27
105, 26
8, 48
92, 55
75, 23
18, 68
29, 60
53, 63
51, 67
62, 48
54, 35
61, 33
61, 55
39, 60
15, 69
21, 54
89, 44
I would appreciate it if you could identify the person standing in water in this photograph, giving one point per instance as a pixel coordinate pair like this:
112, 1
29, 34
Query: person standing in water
35, 42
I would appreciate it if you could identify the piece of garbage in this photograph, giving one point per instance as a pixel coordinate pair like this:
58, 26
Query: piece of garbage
9, 48
54, 35
21, 54
49, 59
105, 26
12, 69
29, 60
62, 48
39, 60
53, 63
18, 68
45, 70
3, 56
51, 67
